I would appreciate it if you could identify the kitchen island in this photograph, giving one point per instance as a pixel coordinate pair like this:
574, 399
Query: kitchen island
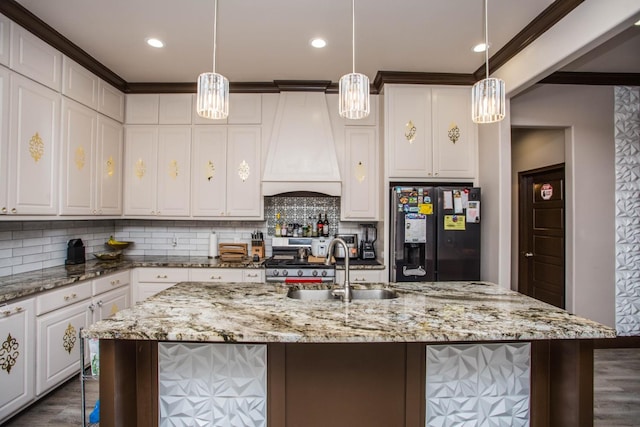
389, 362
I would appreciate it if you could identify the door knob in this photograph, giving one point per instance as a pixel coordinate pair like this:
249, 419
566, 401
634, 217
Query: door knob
528, 254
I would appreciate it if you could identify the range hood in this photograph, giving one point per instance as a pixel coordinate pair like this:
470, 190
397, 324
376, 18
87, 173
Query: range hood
302, 153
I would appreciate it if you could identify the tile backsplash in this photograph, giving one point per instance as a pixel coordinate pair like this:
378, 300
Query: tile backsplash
301, 210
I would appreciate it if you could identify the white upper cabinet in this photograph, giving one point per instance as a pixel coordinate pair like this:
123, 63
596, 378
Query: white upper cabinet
361, 175
5, 32
429, 133
408, 131
175, 108
110, 101
142, 109
79, 84
157, 170
79, 132
4, 138
32, 57
33, 149
370, 120
226, 172
109, 167
244, 109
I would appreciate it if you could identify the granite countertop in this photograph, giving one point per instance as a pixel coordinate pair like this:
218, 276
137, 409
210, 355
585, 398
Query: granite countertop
26, 284
423, 312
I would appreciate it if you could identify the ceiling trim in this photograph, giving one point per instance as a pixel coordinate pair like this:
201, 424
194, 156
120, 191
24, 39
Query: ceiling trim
408, 77
21, 16
547, 19
594, 79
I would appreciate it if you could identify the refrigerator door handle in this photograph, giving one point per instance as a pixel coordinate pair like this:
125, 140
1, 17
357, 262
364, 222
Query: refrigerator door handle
528, 254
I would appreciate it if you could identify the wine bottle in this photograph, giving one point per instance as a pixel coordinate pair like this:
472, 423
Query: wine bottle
320, 225
325, 226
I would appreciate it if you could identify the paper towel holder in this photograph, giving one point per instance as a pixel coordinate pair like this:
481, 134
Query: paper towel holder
213, 245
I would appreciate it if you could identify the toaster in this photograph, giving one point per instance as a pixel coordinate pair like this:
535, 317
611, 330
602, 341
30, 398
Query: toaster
320, 246
352, 245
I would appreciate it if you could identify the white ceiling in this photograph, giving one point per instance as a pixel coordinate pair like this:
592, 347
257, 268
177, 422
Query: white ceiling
261, 40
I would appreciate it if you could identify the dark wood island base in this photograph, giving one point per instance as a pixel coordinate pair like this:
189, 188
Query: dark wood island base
349, 384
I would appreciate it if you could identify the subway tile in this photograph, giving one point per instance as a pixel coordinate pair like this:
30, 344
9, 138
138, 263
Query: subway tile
6, 271
24, 268
8, 244
28, 259
36, 242
5, 235
27, 251
27, 234
10, 226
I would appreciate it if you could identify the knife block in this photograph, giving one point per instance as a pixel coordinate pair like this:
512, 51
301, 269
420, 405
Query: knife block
257, 248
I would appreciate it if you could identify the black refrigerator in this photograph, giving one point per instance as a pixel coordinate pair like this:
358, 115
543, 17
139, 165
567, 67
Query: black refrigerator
435, 233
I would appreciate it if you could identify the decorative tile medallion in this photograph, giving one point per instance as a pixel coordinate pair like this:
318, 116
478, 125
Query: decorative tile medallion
478, 385
627, 142
212, 384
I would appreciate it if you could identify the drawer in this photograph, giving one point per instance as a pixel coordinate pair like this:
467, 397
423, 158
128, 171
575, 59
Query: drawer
253, 275
361, 276
68, 295
163, 275
216, 274
112, 281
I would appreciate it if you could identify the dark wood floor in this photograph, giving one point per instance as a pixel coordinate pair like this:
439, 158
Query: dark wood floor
616, 389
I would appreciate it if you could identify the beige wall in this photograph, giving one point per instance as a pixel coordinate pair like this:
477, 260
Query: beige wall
530, 149
587, 114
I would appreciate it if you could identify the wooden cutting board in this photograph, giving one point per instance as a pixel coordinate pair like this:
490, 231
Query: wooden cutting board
319, 259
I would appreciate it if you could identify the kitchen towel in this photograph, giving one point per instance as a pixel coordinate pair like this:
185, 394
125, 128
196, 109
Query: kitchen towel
213, 245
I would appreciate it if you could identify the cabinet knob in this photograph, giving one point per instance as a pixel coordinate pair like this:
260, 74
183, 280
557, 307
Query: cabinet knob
14, 210
95, 212
100, 303
3, 210
6, 313
115, 282
92, 307
216, 277
164, 276
153, 212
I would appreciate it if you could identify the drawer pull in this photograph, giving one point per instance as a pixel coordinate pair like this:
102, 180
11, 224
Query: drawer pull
72, 296
252, 275
216, 277
16, 310
115, 282
163, 276
100, 303
7, 313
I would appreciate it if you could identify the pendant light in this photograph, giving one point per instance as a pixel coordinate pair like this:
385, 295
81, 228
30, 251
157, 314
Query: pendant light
487, 95
212, 101
353, 91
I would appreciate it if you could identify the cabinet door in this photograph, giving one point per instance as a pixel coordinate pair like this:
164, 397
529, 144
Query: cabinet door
34, 58
35, 114
360, 177
141, 159
223, 275
408, 140
5, 23
58, 345
110, 101
209, 171
4, 137
18, 354
110, 303
79, 84
244, 174
142, 109
454, 134
361, 276
78, 159
109, 167
245, 109
174, 171
146, 290
175, 108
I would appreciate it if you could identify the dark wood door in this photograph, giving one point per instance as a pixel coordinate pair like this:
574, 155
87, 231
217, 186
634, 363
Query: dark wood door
541, 267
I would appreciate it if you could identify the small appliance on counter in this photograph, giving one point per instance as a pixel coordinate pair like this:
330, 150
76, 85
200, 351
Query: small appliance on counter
320, 246
257, 245
75, 252
352, 244
367, 246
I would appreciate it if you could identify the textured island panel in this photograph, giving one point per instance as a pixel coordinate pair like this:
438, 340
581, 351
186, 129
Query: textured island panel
478, 384
422, 312
212, 385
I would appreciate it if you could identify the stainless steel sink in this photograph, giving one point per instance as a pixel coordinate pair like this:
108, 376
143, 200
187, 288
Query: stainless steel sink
327, 295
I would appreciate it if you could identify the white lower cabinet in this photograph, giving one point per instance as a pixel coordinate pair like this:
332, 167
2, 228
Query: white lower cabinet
58, 343
216, 274
252, 275
111, 294
149, 281
361, 276
17, 356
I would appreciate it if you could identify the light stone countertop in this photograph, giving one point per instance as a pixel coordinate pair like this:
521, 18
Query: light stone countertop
423, 312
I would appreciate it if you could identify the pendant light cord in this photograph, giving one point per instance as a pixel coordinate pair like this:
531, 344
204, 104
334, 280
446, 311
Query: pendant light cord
353, 35
215, 31
486, 38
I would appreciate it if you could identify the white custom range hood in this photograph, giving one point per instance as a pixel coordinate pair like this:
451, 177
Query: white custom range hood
302, 152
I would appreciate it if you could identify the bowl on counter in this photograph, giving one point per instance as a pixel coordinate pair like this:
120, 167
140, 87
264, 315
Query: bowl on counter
119, 245
108, 256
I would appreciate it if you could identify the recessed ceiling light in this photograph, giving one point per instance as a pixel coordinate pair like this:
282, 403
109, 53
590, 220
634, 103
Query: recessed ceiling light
318, 43
480, 47
153, 42
637, 23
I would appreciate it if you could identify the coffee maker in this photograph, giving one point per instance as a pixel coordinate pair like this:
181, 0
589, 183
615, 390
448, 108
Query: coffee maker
367, 246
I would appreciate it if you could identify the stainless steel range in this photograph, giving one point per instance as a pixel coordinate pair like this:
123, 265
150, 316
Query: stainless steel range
290, 263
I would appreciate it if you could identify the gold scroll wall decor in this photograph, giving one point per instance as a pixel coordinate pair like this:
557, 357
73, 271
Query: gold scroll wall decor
80, 158
209, 170
454, 133
69, 338
111, 167
244, 170
410, 132
36, 147
173, 169
140, 169
9, 353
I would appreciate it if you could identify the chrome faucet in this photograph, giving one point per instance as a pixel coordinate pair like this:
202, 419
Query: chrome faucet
345, 292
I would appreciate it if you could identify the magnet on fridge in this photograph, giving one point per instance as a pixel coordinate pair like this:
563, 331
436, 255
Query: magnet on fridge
427, 199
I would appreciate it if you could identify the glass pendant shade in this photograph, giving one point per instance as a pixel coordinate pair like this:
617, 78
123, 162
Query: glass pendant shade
354, 96
488, 101
212, 101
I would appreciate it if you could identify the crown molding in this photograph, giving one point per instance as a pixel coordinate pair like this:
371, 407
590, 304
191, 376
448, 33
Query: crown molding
593, 79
